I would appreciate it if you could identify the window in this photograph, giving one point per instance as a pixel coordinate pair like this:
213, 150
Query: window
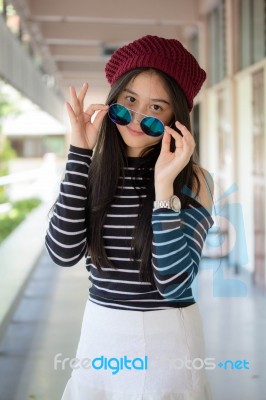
252, 31
194, 45
217, 45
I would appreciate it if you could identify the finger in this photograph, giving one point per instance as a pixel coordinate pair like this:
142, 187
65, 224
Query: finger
82, 93
166, 140
75, 102
99, 118
178, 139
187, 135
180, 126
72, 117
183, 129
95, 107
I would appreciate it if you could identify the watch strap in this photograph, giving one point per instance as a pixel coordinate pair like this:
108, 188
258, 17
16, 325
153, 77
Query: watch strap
166, 203
162, 204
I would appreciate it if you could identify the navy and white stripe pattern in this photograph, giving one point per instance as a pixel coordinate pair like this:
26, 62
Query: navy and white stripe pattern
178, 240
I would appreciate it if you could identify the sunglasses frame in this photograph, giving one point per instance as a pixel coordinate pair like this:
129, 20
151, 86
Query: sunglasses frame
136, 112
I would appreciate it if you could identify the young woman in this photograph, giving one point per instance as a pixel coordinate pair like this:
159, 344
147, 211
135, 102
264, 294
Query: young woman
137, 205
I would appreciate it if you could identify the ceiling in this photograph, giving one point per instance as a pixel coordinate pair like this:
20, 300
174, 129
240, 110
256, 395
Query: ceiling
76, 38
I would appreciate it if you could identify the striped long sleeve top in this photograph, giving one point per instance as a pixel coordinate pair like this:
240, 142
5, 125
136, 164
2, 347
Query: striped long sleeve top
177, 243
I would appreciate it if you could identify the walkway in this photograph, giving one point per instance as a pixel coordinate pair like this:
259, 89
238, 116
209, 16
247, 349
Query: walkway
48, 320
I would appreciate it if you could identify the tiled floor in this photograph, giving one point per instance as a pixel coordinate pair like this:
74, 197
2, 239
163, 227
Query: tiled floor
48, 321
234, 315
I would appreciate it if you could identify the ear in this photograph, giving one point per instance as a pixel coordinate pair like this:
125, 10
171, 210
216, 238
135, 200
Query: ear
205, 196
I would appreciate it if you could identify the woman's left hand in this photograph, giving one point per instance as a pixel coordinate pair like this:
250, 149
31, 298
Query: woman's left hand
168, 164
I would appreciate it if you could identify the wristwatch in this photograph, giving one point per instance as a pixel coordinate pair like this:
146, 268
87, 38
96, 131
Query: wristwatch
173, 203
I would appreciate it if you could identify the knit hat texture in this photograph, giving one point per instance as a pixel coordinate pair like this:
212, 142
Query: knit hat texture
167, 55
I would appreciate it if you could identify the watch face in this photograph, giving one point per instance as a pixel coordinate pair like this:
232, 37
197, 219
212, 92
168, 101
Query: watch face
176, 203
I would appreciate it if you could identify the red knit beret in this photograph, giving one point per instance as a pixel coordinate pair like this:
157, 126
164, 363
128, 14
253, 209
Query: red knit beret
167, 55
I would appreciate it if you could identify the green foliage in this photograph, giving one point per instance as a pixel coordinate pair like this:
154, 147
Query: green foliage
25, 206
7, 107
10, 220
6, 153
3, 197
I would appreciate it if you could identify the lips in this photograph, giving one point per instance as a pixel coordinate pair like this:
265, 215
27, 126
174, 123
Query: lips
135, 133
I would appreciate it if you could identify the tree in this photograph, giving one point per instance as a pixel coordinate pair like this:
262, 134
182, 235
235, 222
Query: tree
7, 108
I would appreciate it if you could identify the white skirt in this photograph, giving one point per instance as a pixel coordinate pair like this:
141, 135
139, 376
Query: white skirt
135, 355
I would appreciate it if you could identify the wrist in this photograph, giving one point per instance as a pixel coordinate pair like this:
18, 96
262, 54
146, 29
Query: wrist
173, 203
163, 192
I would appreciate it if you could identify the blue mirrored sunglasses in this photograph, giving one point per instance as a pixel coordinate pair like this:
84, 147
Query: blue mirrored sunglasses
121, 115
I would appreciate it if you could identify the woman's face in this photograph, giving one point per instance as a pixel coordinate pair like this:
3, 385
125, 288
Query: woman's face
146, 94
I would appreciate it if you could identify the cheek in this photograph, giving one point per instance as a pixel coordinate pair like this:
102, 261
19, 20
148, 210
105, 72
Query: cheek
156, 139
137, 140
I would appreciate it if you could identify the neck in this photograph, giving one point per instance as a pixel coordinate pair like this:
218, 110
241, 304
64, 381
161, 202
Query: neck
131, 152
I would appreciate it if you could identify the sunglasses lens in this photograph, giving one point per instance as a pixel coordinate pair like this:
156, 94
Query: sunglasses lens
152, 126
119, 114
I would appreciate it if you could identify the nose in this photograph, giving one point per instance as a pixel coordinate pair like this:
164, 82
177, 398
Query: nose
135, 117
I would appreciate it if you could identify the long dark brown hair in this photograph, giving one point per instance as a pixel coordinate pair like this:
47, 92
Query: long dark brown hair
108, 162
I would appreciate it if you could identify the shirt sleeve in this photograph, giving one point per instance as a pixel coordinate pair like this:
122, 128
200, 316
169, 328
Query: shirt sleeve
178, 240
66, 236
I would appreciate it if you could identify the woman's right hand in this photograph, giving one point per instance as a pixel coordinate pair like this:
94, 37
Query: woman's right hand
84, 133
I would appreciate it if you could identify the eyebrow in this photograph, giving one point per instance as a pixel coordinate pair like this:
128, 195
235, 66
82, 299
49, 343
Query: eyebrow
156, 100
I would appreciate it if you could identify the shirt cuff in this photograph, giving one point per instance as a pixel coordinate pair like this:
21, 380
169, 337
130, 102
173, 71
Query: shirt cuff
166, 210
80, 150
